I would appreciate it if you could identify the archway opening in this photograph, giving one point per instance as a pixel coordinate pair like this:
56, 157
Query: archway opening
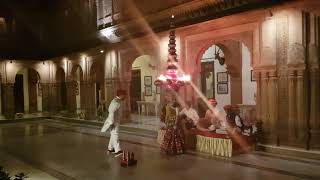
75, 91
27, 91
97, 78
144, 95
226, 75
211, 71
61, 90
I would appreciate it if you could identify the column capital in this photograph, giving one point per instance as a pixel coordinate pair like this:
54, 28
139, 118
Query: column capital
314, 70
111, 80
264, 75
8, 84
291, 72
300, 72
256, 74
272, 74
125, 81
87, 83
69, 78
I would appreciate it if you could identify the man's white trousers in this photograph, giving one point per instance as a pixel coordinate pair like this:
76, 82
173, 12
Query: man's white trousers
114, 138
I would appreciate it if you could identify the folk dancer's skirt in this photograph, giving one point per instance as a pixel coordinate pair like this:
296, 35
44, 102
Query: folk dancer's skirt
173, 142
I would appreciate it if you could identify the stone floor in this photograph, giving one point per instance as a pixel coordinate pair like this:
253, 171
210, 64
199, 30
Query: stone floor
60, 150
144, 122
14, 166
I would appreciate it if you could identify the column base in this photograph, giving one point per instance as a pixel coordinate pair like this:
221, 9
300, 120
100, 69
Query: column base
90, 114
269, 141
268, 138
298, 142
9, 115
126, 117
315, 139
289, 151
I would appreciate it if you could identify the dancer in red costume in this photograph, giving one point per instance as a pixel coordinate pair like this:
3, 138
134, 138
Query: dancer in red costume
173, 142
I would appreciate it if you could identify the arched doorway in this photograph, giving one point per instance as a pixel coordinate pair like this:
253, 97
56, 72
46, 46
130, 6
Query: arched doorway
226, 75
27, 91
212, 69
98, 89
75, 89
143, 93
61, 89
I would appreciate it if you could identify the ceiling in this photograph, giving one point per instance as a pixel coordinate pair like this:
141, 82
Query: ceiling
38, 29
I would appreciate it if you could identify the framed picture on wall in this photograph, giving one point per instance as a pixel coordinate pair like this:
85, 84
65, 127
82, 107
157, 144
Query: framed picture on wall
148, 80
222, 88
148, 90
222, 77
252, 76
158, 89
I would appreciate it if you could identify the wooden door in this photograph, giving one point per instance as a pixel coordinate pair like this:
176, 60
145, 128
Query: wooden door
207, 74
18, 94
135, 90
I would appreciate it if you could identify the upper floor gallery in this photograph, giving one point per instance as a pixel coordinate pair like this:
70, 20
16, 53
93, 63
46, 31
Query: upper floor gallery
38, 29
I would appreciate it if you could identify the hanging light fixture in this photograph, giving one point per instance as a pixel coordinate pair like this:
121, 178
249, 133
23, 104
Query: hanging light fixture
171, 78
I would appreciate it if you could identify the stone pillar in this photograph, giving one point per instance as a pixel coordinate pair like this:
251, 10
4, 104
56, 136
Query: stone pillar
273, 107
90, 102
258, 95
314, 118
71, 97
32, 91
125, 113
83, 97
110, 90
57, 95
292, 120
1, 101
52, 97
301, 123
264, 108
236, 88
314, 81
45, 96
8, 98
283, 109
56, 99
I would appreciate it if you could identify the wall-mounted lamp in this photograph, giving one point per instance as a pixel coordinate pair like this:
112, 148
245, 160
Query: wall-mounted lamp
101, 51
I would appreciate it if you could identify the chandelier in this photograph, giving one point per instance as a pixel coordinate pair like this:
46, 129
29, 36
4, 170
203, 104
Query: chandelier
171, 79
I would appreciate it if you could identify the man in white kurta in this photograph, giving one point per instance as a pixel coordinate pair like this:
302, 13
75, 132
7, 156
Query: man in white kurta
190, 113
112, 123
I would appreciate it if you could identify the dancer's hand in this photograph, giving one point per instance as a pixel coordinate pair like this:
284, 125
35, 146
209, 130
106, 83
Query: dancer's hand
162, 125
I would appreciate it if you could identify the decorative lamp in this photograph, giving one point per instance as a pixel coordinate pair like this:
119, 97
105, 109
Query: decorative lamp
171, 79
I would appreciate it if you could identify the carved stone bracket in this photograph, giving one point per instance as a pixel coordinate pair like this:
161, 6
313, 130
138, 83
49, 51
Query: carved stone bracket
296, 53
256, 75
272, 74
313, 56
